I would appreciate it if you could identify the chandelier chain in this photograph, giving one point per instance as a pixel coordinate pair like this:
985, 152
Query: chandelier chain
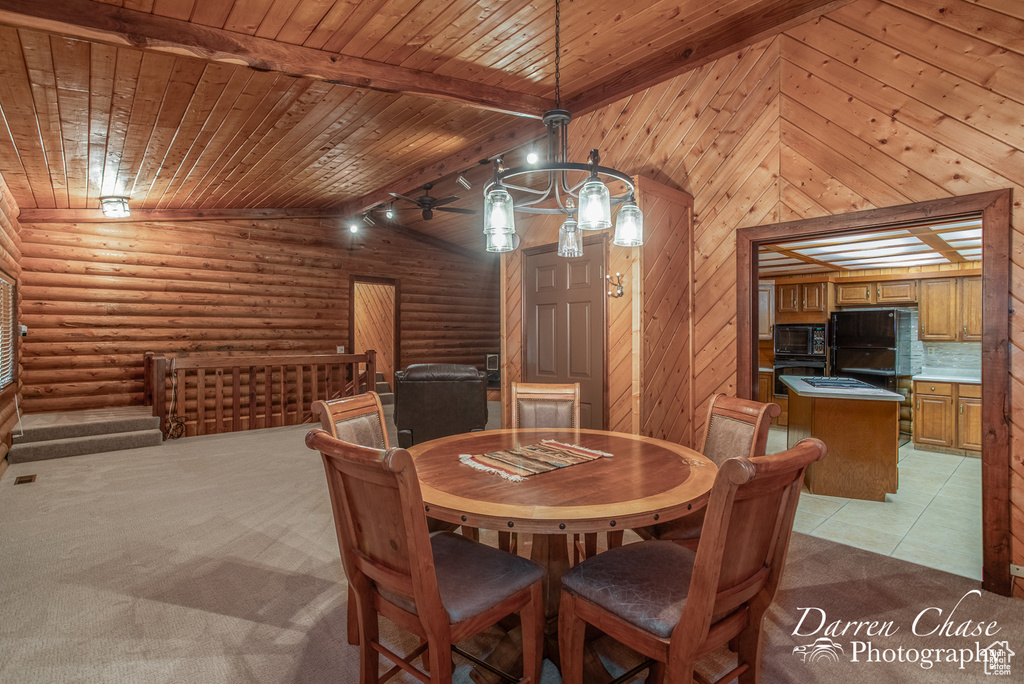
558, 56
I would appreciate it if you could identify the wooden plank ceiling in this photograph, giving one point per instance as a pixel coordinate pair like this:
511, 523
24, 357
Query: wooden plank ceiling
267, 108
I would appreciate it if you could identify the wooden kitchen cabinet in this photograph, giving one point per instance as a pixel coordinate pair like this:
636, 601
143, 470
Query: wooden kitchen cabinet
968, 425
883, 292
950, 310
947, 415
800, 298
765, 387
970, 309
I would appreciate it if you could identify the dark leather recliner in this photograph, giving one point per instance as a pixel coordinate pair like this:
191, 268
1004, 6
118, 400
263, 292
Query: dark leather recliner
438, 399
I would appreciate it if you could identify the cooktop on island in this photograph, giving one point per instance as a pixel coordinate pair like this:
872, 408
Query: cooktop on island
837, 383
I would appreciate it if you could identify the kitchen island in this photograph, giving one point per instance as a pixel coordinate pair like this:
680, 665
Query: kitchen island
859, 424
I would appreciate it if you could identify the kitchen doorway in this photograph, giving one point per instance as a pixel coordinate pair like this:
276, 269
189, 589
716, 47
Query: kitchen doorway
994, 209
374, 321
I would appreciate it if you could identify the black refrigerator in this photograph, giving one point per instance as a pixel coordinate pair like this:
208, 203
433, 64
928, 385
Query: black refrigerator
872, 346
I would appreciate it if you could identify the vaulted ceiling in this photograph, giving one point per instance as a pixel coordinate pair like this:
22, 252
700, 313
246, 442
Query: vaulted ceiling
278, 108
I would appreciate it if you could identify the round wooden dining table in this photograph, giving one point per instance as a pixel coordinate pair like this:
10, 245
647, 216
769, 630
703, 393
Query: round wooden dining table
642, 482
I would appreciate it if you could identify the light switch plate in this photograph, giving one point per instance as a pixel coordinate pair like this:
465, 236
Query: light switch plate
341, 349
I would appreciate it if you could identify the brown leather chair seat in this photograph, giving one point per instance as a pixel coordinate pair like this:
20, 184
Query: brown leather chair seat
438, 399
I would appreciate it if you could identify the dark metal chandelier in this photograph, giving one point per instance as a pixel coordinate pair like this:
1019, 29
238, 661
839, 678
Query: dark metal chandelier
576, 190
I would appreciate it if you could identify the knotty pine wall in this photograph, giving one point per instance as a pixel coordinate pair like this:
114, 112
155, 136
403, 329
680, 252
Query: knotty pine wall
875, 104
98, 296
10, 257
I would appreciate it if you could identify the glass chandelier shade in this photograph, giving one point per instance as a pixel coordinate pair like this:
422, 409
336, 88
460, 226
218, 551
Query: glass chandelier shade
569, 239
629, 225
498, 212
501, 241
595, 206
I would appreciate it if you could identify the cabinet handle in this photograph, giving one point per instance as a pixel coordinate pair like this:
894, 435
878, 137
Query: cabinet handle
933, 388
961, 408
918, 404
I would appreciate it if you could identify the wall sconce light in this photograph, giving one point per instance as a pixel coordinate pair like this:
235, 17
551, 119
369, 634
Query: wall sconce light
115, 207
617, 284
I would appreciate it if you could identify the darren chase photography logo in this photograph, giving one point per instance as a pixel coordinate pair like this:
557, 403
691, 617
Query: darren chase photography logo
936, 637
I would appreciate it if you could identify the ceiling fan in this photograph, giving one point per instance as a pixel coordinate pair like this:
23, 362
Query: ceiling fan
427, 203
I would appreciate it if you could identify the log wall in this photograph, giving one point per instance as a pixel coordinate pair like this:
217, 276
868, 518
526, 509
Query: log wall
875, 104
10, 258
96, 297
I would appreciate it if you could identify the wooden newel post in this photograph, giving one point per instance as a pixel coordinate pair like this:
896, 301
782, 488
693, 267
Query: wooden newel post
159, 389
147, 379
371, 370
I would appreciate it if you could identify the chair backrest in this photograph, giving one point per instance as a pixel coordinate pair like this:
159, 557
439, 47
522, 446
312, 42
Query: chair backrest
745, 539
381, 524
736, 427
358, 419
543, 405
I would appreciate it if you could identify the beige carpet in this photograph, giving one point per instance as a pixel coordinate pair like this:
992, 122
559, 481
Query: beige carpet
213, 559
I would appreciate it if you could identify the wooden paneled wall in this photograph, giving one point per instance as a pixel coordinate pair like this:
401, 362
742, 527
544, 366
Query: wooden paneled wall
374, 318
887, 103
97, 296
876, 104
10, 262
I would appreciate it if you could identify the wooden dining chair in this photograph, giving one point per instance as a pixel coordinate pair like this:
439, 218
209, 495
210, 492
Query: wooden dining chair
543, 405
673, 605
443, 588
734, 427
359, 419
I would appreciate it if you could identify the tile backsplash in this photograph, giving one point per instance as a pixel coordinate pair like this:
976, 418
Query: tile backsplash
959, 355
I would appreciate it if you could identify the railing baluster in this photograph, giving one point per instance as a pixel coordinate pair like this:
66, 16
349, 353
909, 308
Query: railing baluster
218, 407
252, 397
236, 400
300, 404
201, 401
268, 397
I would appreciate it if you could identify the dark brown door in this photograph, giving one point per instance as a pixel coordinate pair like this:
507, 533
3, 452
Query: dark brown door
564, 326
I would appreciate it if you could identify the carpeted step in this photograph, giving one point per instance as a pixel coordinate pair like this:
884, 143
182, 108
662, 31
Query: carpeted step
50, 431
88, 444
382, 388
387, 397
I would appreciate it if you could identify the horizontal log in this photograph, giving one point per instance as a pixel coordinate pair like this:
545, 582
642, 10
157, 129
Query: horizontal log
146, 310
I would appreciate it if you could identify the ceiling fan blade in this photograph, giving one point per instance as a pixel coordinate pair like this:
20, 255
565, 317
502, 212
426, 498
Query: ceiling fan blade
456, 210
446, 200
408, 199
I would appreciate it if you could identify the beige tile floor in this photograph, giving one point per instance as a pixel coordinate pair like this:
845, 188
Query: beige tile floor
934, 519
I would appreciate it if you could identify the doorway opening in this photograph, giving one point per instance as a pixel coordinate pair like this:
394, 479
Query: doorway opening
994, 209
374, 322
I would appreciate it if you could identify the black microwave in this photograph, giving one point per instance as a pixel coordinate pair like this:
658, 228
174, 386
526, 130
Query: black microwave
800, 339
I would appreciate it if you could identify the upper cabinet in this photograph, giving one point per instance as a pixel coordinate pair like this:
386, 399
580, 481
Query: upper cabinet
950, 310
765, 310
882, 292
800, 298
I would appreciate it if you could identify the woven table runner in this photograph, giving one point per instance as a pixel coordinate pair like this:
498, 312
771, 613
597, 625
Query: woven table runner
516, 465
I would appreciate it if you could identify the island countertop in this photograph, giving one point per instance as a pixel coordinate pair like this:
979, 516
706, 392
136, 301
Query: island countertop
797, 384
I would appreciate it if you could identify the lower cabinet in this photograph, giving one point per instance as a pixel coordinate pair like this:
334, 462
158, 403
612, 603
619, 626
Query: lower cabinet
947, 415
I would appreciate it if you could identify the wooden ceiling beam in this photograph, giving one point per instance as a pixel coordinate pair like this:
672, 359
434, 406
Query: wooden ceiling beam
761, 20
104, 23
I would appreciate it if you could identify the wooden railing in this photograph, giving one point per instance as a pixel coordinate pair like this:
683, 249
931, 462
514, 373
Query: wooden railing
199, 395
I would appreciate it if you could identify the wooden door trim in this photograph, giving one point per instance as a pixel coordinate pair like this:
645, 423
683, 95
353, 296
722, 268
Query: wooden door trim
352, 280
524, 253
994, 207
